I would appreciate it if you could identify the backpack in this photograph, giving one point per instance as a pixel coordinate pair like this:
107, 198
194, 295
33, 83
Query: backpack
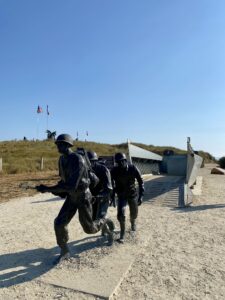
94, 180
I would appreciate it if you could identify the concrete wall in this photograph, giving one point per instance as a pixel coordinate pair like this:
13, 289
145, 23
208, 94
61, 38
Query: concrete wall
175, 165
194, 163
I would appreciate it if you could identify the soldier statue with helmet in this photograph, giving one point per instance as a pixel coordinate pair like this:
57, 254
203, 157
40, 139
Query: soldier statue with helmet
74, 186
102, 191
124, 176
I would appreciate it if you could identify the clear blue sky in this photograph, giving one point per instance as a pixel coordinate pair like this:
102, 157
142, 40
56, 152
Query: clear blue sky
152, 71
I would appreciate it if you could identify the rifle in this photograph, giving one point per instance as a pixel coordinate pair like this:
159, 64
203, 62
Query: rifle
27, 186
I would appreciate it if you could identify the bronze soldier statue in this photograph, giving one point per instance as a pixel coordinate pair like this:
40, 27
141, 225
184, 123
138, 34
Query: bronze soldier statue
102, 192
124, 176
74, 186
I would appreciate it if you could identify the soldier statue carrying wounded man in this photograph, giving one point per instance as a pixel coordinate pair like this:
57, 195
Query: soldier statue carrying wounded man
74, 186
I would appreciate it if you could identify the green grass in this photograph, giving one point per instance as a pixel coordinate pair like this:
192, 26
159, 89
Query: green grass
25, 156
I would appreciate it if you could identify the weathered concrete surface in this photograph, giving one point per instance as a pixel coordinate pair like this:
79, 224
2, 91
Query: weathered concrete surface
197, 188
163, 190
103, 283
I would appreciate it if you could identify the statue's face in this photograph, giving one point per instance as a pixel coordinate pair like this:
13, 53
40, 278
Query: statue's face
92, 163
122, 164
62, 147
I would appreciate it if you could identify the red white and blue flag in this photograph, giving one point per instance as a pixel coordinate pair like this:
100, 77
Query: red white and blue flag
39, 109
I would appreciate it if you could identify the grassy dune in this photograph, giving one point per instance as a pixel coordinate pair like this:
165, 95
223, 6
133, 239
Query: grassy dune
25, 156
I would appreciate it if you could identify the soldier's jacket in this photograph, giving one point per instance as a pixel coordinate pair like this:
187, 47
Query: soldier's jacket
105, 184
74, 175
124, 181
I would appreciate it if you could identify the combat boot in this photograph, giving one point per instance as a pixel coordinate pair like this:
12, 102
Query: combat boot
64, 255
122, 233
133, 225
108, 230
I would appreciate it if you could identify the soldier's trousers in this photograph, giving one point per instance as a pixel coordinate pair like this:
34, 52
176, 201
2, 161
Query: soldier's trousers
82, 203
121, 208
100, 208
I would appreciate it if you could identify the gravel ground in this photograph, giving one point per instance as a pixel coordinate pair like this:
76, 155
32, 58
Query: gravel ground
179, 253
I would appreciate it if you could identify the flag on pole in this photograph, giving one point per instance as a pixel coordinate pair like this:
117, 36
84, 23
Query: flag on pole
39, 109
86, 133
47, 111
77, 138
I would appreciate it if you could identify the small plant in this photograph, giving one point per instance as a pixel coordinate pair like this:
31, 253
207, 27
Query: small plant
222, 162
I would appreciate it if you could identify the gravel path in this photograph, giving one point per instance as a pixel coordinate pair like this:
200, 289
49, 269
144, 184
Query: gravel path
179, 253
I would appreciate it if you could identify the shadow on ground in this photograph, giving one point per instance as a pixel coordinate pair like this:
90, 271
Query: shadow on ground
20, 267
189, 209
49, 200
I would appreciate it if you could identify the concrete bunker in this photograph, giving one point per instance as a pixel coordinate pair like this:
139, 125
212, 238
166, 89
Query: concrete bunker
179, 172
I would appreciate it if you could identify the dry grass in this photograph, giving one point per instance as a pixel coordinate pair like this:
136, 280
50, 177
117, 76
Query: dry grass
25, 156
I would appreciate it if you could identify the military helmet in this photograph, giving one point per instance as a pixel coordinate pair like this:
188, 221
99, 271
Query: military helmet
64, 138
120, 156
92, 155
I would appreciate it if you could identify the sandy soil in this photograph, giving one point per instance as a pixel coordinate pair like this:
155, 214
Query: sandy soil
182, 256
11, 184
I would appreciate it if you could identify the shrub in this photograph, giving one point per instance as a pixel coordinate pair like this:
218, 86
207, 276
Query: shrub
222, 162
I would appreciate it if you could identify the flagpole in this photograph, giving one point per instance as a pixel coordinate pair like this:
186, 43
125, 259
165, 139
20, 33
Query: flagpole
86, 135
39, 110
47, 121
37, 127
47, 113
